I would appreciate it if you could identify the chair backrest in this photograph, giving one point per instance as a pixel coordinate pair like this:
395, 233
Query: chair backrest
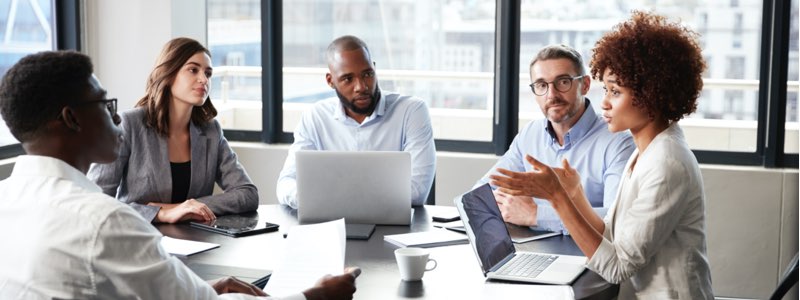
788, 280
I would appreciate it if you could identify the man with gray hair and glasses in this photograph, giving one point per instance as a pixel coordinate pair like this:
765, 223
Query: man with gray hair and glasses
571, 130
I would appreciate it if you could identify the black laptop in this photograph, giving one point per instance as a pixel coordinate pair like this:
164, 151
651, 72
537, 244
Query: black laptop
237, 225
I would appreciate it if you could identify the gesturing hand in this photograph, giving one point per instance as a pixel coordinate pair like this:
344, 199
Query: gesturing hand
541, 183
569, 178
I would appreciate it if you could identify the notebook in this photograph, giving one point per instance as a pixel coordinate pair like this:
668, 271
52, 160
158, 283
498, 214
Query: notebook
427, 239
495, 251
366, 187
237, 225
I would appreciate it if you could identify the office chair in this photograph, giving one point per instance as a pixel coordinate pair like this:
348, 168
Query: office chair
788, 280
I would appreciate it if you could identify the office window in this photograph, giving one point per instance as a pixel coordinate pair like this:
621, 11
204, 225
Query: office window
727, 110
440, 51
234, 39
792, 137
25, 27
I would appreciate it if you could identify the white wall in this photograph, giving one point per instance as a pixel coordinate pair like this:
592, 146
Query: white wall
124, 38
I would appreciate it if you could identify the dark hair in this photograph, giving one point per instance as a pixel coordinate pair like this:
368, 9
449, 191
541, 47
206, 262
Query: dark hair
346, 42
157, 93
659, 60
559, 52
36, 88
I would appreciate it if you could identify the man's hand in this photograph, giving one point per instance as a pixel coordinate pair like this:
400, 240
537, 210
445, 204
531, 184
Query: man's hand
234, 285
335, 287
519, 210
188, 210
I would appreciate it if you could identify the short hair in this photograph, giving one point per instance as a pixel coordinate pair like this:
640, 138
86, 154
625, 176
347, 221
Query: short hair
345, 43
38, 86
158, 90
560, 52
660, 61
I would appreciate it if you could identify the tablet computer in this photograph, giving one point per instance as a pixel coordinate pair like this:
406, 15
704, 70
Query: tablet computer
237, 225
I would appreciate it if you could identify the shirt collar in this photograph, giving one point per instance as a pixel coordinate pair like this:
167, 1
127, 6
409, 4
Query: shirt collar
380, 110
579, 130
45, 166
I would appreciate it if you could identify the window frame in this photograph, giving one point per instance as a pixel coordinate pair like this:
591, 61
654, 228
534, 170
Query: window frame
67, 17
772, 97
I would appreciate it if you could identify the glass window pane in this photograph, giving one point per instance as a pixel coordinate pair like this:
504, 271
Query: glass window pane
792, 137
727, 110
25, 27
234, 39
440, 51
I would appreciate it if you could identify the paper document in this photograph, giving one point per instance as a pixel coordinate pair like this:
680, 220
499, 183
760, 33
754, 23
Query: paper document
425, 239
312, 251
185, 247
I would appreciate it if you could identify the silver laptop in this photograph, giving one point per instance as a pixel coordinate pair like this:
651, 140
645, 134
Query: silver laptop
495, 251
369, 187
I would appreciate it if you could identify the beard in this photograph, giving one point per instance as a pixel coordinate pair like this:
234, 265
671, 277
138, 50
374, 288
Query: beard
349, 104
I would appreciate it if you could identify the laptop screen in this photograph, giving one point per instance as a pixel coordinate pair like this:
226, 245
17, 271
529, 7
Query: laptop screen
492, 242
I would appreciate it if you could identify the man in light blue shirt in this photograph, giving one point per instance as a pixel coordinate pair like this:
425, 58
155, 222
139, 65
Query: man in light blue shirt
361, 118
570, 130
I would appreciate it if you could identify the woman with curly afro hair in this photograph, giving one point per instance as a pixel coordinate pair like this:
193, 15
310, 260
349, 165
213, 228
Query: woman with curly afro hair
652, 241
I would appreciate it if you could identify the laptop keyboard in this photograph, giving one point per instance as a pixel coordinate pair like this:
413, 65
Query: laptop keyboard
527, 265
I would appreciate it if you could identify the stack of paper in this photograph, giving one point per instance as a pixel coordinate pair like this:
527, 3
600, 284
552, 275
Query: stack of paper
312, 251
425, 239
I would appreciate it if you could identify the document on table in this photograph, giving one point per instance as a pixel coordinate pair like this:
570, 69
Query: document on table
185, 247
312, 251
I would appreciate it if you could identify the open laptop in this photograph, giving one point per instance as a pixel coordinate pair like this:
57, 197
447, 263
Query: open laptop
368, 187
489, 238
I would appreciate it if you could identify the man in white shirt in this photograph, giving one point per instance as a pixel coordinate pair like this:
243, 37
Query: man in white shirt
361, 118
65, 239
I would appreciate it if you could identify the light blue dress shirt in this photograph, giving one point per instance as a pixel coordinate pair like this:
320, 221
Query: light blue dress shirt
597, 154
399, 123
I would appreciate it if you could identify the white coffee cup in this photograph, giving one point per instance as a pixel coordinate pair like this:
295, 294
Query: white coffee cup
412, 263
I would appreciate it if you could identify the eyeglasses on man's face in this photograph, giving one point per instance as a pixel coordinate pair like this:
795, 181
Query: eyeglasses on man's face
111, 105
561, 84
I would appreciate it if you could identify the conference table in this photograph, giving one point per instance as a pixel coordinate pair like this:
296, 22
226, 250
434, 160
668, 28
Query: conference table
458, 274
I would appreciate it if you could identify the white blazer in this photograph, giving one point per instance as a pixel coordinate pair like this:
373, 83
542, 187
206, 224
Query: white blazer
654, 242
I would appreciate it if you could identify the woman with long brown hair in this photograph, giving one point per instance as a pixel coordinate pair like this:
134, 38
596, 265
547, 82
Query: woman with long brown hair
174, 150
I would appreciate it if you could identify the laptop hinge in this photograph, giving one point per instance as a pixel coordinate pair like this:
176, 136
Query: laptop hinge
501, 263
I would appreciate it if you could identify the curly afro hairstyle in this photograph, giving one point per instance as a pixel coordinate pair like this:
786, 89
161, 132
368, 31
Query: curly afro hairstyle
38, 86
659, 60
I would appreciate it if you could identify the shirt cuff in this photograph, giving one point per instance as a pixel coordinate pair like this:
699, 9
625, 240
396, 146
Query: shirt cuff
602, 257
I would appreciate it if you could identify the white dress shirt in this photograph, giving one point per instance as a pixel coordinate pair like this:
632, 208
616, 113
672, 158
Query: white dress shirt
65, 239
399, 123
654, 242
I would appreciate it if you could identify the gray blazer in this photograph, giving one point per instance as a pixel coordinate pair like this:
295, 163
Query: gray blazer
141, 174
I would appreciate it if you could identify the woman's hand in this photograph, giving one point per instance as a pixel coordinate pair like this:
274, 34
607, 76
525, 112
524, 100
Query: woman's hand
188, 210
569, 178
543, 182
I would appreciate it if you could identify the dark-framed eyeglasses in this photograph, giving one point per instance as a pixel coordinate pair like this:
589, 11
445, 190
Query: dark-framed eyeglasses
111, 105
561, 84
